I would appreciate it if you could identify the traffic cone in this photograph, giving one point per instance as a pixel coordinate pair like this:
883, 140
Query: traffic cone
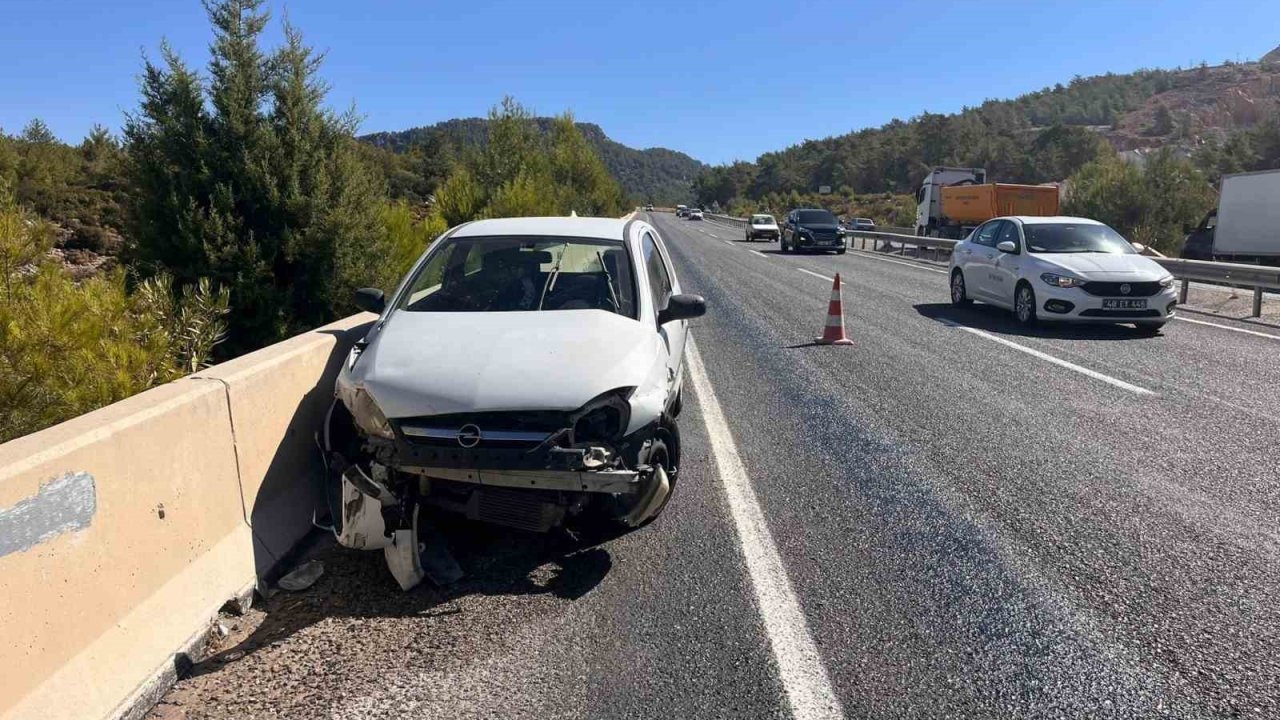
833, 333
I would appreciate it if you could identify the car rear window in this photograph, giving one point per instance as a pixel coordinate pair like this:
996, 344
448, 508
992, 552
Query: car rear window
529, 274
816, 217
761, 219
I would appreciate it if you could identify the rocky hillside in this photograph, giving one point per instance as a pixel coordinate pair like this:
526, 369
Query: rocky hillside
1205, 103
654, 175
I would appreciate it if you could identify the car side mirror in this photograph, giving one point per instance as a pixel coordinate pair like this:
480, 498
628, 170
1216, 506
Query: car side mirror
682, 307
1007, 246
371, 300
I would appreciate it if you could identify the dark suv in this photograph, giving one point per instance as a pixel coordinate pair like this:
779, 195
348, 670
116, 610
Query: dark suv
811, 229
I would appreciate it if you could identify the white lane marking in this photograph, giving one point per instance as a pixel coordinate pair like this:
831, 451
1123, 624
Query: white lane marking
726, 242
864, 253
1228, 327
800, 667
766, 257
1056, 361
810, 272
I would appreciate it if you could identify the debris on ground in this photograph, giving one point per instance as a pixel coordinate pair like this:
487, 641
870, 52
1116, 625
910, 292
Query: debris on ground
302, 577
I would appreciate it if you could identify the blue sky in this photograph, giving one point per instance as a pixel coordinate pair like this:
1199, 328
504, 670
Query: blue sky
718, 80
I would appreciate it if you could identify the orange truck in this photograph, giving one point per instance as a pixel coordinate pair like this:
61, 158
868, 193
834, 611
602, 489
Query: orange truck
972, 205
951, 201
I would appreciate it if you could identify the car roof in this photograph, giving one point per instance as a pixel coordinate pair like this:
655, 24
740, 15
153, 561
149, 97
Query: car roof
1042, 220
587, 227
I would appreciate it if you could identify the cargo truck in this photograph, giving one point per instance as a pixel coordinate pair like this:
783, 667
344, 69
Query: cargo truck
953, 201
1245, 227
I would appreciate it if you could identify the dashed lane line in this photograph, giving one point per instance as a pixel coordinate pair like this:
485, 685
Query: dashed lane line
1055, 360
800, 667
917, 266
1228, 327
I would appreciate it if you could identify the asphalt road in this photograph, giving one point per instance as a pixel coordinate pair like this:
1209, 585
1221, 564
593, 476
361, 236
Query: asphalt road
957, 518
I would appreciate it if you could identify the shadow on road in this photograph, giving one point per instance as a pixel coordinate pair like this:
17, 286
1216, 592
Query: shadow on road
1000, 322
357, 584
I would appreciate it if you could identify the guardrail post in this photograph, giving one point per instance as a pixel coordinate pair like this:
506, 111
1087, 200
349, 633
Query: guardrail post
902, 250
1257, 302
1182, 293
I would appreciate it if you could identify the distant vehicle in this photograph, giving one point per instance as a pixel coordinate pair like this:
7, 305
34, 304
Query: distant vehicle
865, 224
648, 208
811, 229
694, 214
953, 201
1245, 227
1061, 268
761, 226
681, 210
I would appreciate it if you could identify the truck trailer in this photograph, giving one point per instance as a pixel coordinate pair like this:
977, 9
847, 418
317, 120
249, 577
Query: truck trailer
1245, 227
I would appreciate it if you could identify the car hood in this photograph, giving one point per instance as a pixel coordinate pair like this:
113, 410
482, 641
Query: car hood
436, 363
1105, 266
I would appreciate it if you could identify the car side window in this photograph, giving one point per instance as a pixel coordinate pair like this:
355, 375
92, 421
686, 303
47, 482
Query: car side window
659, 280
1010, 233
986, 235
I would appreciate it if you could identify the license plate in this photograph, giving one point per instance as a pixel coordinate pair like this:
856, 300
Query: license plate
1124, 304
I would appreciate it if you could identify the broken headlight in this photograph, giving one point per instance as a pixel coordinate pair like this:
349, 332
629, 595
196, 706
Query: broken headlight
368, 415
605, 418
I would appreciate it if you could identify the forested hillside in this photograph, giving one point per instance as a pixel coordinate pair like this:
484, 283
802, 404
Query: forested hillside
654, 175
1179, 129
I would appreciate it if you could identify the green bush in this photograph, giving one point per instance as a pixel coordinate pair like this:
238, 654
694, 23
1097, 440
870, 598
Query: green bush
1148, 204
67, 348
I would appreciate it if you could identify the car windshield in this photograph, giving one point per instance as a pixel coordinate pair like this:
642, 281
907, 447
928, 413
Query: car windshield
761, 219
513, 274
1074, 238
817, 217
863, 221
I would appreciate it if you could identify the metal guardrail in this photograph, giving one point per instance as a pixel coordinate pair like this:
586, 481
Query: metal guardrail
1259, 278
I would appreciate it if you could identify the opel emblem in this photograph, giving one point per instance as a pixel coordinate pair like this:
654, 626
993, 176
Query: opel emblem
469, 436
1124, 289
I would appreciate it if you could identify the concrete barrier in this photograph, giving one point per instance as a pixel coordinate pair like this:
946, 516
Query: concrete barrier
123, 531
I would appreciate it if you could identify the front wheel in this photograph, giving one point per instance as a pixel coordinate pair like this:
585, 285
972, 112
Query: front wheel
1024, 305
959, 293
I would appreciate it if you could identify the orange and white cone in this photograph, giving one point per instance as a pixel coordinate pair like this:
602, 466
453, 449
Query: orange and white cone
833, 333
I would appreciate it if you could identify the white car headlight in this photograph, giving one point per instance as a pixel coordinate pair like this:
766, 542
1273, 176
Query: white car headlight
368, 415
1062, 281
1166, 281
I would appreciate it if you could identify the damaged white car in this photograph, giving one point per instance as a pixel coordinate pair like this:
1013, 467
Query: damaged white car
527, 372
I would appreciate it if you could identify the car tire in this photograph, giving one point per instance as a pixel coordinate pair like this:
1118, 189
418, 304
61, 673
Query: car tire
1149, 328
1024, 305
959, 291
664, 451
841, 251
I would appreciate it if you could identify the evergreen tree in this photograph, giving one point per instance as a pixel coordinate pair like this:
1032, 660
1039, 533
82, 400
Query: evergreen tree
260, 188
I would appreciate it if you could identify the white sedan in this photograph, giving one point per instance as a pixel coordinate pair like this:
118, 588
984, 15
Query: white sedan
527, 372
1061, 268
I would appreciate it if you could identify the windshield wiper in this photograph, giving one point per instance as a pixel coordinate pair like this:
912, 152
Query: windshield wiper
613, 295
550, 284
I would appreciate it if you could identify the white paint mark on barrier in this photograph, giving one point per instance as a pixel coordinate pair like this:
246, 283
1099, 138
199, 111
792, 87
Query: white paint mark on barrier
63, 504
800, 667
